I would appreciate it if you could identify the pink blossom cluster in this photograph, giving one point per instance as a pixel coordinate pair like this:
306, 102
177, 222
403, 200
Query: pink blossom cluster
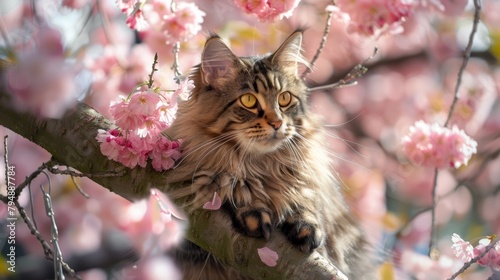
42, 80
141, 118
175, 21
437, 146
373, 17
466, 252
268, 10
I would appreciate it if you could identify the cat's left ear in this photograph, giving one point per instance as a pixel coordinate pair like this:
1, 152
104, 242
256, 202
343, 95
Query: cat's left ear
218, 63
289, 54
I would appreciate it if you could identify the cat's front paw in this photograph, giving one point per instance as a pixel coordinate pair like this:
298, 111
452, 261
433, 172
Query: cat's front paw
304, 235
255, 222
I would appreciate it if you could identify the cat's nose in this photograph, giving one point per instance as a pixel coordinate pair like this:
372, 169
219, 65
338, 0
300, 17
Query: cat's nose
276, 124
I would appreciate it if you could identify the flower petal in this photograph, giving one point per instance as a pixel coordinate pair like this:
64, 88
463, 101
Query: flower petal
167, 206
215, 204
268, 256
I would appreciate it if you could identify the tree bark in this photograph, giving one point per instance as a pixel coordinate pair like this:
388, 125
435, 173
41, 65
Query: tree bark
71, 141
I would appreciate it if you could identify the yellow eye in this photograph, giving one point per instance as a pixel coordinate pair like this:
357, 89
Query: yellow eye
284, 99
248, 100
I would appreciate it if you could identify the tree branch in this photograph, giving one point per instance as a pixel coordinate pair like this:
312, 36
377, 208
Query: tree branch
71, 141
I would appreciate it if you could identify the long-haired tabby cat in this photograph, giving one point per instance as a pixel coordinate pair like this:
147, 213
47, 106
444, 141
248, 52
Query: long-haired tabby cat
249, 136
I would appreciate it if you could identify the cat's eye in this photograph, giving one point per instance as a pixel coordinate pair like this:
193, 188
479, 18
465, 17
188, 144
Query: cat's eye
248, 100
284, 99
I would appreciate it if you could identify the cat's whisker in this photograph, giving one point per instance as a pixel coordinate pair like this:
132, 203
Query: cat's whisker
343, 123
212, 142
348, 143
295, 148
214, 148
204, 266
344, 159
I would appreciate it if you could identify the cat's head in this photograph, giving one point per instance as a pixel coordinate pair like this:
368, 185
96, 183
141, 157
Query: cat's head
259, 102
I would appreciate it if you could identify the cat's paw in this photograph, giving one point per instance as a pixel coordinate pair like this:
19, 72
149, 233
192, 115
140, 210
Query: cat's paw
306, 236
254, 222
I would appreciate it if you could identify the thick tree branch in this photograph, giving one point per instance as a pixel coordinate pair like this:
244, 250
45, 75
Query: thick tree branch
71, 141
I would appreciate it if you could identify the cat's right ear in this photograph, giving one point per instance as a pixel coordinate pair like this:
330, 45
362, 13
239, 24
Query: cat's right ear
217, 62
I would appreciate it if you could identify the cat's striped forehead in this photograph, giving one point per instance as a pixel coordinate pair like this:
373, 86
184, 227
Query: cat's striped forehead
262, 77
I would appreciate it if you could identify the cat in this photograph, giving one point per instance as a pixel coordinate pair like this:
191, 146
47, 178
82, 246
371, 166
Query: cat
248, 135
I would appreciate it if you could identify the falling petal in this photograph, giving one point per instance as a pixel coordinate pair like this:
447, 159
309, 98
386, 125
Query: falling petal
268, 256
215, 204
167, 207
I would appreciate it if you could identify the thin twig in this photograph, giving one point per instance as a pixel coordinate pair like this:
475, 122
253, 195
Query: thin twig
321, 44
74, 174
31, 177
474, 260
45, 245
176, 65
69, 172
153, 69
349, 79
175, 51
57, 255
79, 188
468, 49
433, 215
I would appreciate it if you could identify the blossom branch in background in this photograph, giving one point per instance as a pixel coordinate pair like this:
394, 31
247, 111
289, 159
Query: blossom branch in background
49, 254
326, 32
468, 49
350, 78
467, 53
175, 51
153, 70
176, 65
470, 255
14, 199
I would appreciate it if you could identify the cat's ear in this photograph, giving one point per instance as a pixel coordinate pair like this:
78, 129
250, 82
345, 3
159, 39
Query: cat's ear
217, 61
289, 54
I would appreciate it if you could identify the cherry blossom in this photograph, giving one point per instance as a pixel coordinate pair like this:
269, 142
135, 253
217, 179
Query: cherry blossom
178, 22
183, 23
437, 146
144, 103
373, 17
141, 118
465, 251
123, 116
165, 153
268, 10
42, 80
491, 258
133, 10
462, 249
